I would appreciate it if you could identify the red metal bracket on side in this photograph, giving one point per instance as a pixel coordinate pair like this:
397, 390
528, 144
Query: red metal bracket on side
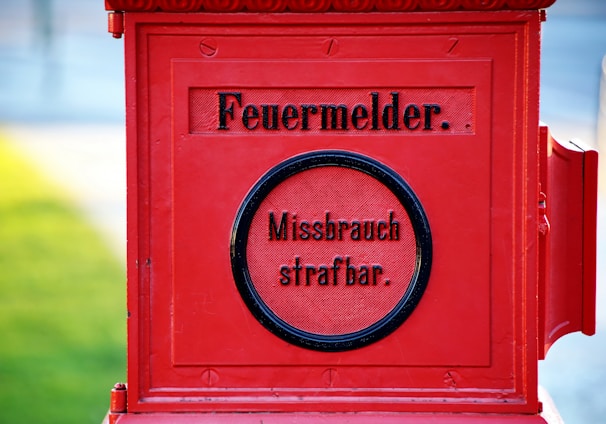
567, 284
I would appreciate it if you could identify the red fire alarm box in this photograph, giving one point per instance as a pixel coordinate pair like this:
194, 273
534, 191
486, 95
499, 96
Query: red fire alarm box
345, 211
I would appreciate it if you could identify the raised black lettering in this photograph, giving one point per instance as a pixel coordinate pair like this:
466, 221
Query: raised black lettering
376, 269
428, 109
394, 228
225, 110
285, 272
369, 229
305, 110
304, 234
342, 225
350, 273
290, 117
375, 114
355, 230
329, 227
249, 113
309, 269
323, 275
270, 124
375, 110
412, 117
382, 230
359, 117
363, 277
297, 269
335, 266
276, 231
394, 108
334, 112
318, 234
306, 275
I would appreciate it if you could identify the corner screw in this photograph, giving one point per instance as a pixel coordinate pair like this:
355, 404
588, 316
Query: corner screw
330, 47
208, 47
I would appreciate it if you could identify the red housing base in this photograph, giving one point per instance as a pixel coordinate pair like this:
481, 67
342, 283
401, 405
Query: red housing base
549, 415
331, 419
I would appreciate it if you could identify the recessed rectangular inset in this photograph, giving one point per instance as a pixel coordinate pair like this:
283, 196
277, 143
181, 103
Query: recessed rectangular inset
226, 115
313, 111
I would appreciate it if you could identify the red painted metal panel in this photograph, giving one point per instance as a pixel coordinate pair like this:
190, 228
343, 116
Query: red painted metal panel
472, 312
332, 217
469, 345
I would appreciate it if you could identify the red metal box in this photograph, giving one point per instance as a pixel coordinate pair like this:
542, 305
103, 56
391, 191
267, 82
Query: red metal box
336, 213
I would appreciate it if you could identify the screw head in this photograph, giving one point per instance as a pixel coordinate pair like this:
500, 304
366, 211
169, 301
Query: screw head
120, 386
208, 47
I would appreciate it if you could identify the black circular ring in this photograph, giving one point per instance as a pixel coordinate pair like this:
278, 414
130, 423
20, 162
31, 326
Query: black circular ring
341, 342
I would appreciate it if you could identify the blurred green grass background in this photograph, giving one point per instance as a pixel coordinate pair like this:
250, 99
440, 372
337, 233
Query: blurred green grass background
62, 304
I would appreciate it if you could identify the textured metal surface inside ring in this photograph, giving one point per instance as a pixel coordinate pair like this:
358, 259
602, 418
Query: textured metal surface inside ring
331, 250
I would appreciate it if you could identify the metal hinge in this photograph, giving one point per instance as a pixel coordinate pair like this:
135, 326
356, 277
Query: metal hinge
543, 219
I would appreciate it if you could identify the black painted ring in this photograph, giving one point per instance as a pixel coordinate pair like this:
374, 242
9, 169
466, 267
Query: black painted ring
341, 342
